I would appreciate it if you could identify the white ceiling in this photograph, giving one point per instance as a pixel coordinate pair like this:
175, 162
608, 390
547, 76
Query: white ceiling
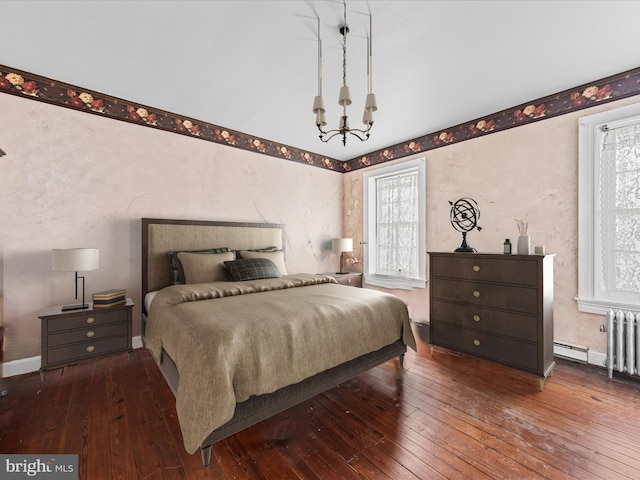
251, 66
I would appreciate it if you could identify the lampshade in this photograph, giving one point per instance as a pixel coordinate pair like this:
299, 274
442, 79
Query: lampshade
342, 244
367, 117
74, 259
344, 98
371, 105
318, 104
321, 119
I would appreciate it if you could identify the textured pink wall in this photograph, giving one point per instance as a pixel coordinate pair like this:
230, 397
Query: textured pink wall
71, 179
529, 172
75, 180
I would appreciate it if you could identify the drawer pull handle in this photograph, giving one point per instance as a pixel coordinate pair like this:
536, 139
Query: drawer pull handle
91, 320
348, 280
476, 268
90, 348
476, 293
476, 342
90, 333
476, 318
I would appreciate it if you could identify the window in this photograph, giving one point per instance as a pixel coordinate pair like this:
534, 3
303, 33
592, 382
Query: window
394, 225
609, 211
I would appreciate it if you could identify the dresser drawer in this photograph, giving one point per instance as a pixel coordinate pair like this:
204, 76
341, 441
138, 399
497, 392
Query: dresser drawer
507, 297
524, 327
88, 319
86, 349
485, 269
90, 334
500, 349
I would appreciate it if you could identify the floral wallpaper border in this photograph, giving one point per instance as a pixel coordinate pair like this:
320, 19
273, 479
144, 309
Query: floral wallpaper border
616, 87
35, 87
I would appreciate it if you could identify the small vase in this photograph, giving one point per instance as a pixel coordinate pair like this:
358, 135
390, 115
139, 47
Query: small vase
524, 245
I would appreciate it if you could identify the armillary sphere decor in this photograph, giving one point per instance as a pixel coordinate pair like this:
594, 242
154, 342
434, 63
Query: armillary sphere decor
344, 98
464, 217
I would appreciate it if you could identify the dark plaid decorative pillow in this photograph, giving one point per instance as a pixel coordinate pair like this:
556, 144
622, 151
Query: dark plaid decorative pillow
177, 275
252, 269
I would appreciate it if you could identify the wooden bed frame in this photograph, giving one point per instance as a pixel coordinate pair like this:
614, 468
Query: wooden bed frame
160, 236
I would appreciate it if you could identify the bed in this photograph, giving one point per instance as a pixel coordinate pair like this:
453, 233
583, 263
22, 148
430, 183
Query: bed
239, 339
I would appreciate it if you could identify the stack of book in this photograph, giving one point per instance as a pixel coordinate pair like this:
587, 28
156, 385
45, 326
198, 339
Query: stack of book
109, 298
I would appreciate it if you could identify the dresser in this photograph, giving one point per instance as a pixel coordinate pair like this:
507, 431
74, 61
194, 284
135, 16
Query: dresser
494, 306
76, 335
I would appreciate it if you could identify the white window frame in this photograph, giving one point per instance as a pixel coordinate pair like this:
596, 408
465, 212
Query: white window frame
369, 225
589, 255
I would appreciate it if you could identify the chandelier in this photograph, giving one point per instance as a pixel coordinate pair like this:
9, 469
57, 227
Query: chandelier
344, 99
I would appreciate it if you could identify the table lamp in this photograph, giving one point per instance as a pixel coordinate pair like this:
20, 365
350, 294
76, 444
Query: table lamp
75, 260
342, 245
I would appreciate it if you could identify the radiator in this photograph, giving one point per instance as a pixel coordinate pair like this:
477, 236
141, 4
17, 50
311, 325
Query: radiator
623, 340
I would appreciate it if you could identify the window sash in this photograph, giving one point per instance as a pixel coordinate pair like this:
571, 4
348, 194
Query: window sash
394, 226
619, 208
609, 211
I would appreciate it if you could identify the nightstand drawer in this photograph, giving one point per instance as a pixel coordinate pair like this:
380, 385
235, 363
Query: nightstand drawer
524, 327
91, 334
86, 349
486, 269
351, 280
504, 350
86, 319
507, 297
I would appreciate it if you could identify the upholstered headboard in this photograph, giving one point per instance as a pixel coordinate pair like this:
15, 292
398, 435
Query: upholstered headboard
160, 236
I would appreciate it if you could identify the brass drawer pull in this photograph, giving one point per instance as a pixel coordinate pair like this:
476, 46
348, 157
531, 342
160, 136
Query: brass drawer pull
476, 293
476, 342
476, 268
90, 348
91, 320
90, 333
476, 318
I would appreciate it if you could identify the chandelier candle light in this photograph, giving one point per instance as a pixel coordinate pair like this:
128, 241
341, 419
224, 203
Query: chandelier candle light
344, 98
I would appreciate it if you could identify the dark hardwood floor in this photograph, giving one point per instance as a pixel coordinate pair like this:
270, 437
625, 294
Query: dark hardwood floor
451, 417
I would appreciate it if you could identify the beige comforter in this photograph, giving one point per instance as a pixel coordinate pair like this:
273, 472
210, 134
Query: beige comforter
231, 340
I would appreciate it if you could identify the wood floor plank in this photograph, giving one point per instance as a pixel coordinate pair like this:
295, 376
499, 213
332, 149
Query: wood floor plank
99, 426
433, 460
446, 417
491, 424
567, 432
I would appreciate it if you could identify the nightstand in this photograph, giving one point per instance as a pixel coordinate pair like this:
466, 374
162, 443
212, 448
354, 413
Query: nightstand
72, 336
353, 279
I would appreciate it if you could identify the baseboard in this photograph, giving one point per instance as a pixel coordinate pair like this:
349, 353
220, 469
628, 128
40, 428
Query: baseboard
32, 364
579, 354
570, 351
597, 358
20, 366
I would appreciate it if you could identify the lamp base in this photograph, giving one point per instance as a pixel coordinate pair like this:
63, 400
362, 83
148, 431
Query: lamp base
75, 307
